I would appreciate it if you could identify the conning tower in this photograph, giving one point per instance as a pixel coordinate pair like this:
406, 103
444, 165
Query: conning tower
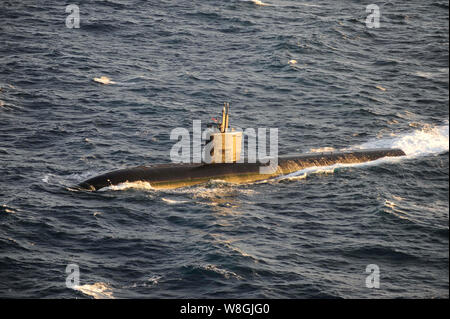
226, 142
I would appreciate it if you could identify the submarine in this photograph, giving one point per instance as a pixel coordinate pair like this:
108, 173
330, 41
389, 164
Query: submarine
225, 164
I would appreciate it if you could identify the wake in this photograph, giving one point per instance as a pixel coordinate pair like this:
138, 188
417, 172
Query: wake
431, 140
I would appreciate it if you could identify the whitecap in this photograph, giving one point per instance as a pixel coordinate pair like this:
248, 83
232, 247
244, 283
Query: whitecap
225, 273
99, 290
173, 201
141, 185
260, 3
104, 80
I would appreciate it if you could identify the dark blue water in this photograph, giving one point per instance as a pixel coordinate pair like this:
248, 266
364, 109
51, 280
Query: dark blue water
307, 235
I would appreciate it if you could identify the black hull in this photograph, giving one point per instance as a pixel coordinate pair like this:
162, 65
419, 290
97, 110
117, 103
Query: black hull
179, 175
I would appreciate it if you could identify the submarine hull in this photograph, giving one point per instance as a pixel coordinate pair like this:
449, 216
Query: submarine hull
180, 175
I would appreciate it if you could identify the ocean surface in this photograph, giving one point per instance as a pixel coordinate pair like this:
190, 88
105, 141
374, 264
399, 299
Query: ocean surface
307, 235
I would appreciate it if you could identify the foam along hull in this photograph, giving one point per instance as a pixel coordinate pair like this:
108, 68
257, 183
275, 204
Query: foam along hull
180, 175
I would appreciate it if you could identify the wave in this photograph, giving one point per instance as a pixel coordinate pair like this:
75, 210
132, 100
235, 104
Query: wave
264, 4
99, 290
174, 201
322, 149
227, 274
68, 181
211, 269
8, 209
396, 208
260, 3
127, 185
380, 251
150, 282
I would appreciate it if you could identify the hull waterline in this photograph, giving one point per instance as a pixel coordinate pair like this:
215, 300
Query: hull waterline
180, 175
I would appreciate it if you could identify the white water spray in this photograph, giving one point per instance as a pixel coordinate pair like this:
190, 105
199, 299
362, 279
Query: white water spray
430, 140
